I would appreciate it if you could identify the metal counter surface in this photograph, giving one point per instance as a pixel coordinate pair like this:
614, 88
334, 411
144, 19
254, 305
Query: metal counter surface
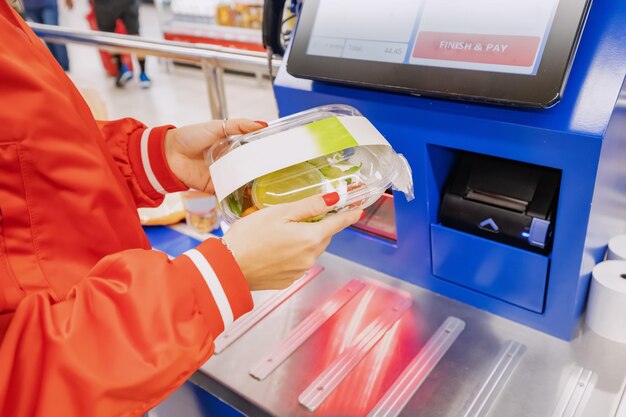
533, 389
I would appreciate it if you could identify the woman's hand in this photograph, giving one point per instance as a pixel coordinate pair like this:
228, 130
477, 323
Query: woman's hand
273, 247
185, 146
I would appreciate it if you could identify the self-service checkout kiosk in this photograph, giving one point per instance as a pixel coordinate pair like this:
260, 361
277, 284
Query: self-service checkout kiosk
507, 175
513, 117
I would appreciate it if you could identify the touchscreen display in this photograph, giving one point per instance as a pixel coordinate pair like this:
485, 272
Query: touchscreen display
484, 35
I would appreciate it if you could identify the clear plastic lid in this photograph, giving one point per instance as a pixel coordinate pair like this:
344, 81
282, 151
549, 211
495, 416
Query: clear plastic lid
359, 174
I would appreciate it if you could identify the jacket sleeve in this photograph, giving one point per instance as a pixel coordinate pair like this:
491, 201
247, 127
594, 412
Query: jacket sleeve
139, 153
124, 338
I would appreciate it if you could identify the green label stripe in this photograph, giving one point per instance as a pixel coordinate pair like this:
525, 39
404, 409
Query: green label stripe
331, 135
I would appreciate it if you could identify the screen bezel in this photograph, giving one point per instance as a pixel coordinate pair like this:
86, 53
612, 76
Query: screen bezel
541, 90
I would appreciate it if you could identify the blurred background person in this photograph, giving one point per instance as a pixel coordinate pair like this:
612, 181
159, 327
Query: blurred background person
47, 12
107, 13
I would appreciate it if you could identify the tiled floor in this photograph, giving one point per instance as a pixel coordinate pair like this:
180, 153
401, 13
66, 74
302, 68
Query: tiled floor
178, 94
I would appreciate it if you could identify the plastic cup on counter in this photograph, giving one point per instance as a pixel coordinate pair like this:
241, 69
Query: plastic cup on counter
201, 211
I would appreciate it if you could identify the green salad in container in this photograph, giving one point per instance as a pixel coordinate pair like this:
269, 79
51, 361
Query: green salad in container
298, 166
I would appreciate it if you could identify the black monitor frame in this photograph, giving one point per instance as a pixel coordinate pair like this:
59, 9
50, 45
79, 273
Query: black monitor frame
542, 90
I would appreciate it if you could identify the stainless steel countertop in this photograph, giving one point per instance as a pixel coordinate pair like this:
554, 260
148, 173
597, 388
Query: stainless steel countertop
533, 389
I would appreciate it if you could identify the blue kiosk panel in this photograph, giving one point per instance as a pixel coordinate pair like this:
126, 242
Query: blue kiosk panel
546, 292
507, 273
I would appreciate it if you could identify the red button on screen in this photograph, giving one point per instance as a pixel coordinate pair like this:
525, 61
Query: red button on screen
517, 51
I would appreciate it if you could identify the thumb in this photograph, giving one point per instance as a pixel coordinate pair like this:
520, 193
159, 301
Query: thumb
309, 207
240, 126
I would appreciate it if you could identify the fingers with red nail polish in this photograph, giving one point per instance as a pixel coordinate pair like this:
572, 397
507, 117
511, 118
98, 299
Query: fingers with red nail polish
261, 122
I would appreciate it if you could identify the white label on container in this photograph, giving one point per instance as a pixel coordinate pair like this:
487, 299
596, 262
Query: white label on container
284, 149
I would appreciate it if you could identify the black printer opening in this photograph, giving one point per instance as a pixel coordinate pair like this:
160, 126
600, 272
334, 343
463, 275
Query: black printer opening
508, 201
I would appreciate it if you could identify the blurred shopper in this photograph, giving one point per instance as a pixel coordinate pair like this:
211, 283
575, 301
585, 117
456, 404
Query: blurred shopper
47, 12
107, 13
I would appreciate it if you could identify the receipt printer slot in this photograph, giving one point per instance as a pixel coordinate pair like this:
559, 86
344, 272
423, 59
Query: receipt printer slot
503, 200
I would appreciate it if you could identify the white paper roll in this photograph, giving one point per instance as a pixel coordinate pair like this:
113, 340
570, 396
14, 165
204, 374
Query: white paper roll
617, 248
606, 306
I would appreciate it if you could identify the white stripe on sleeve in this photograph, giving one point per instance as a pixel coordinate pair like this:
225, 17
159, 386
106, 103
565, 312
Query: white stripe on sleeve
214, 285
145, 160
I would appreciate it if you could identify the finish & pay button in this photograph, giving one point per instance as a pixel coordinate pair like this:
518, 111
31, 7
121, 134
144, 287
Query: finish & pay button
486, 49
469, 46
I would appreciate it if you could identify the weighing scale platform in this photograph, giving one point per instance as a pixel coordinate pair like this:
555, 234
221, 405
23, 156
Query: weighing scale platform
535, 374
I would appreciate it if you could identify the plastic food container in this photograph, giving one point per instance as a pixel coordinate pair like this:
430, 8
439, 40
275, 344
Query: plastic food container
325, 149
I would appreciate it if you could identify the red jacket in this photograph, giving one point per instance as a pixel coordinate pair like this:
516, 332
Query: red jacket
92, 322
